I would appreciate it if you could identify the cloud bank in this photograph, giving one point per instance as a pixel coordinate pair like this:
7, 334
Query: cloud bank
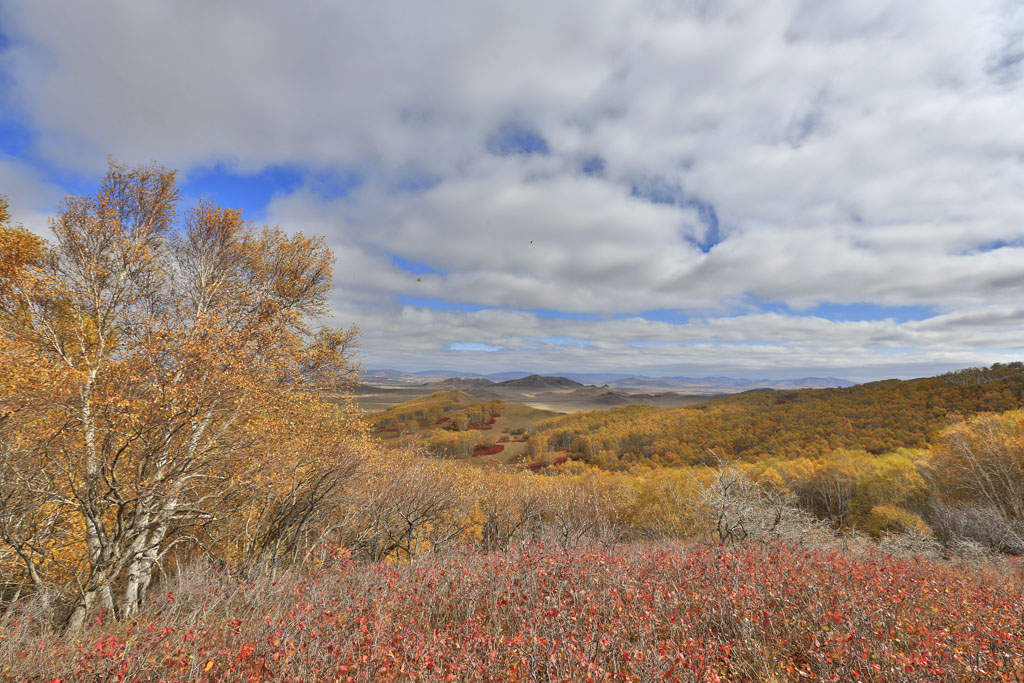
761, 188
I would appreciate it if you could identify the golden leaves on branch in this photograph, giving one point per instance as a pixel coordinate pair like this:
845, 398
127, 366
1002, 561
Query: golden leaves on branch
185, 352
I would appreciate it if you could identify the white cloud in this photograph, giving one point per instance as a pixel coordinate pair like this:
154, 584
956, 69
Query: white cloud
768, 344
561, 242
30, 195
856, 151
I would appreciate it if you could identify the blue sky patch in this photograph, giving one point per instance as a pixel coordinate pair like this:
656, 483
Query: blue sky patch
15, 136
473, 346
439, 304
249, 192
659, 191
252, 192
661, 315
994, 245
561, 341
415, 267
513, 139
644, 344
594, 166
710, 219
856, 312
562, 315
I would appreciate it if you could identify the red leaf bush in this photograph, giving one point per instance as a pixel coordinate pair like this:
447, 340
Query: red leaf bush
637, 613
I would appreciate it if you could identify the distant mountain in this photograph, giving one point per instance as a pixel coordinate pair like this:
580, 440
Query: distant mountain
466, 384
612, 398
540, 382
825, 382
552, 393
397, 377
725, 385
597, 378
387, 376
370, 375
805, 383
620, 381
505, 376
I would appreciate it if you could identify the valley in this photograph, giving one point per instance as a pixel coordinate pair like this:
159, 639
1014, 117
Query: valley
567, 394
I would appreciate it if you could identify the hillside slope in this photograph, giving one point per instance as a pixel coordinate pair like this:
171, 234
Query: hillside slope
877, 417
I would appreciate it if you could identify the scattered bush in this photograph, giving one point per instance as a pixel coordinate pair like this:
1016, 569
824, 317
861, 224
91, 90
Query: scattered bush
884, 520
962, 527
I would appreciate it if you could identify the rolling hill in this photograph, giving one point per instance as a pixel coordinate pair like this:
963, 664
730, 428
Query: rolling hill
876, 417
559, 394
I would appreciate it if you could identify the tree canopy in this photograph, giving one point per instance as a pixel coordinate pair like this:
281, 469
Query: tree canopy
156, 365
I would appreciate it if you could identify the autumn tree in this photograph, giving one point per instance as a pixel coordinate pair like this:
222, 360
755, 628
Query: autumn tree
588, 506
668, 503
25, 527
159, 352
981, 461
977, 473
738, 509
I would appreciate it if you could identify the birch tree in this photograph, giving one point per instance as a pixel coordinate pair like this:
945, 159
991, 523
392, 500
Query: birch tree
156, 348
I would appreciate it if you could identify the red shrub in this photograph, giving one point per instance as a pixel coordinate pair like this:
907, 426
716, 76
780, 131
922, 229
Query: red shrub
636, 613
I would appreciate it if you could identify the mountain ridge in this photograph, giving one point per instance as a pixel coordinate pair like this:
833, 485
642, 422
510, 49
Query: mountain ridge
622, 381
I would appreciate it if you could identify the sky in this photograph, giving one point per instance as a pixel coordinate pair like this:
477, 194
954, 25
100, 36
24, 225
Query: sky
754, 188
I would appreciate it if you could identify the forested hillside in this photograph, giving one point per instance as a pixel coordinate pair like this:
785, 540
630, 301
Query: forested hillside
878, 417
437, 408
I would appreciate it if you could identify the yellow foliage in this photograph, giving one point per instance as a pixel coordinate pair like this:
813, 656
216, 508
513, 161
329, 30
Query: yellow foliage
889, 480
667, 502
877, 417
883, 520
155, 386
980, 461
